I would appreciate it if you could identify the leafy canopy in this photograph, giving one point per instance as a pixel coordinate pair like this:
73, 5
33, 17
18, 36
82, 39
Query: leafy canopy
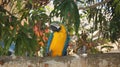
18, 18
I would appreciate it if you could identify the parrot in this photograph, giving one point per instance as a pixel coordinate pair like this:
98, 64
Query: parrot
58, 40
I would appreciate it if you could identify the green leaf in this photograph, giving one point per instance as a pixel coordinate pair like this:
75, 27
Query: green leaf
68, 11
117, 9
114, 2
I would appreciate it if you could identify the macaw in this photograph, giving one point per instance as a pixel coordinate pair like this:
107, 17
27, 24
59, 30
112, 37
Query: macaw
58, 40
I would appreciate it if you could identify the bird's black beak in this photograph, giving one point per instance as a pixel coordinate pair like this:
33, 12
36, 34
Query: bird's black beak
55, 27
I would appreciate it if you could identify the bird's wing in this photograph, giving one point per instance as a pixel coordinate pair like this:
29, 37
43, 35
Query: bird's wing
49, 42
64, 52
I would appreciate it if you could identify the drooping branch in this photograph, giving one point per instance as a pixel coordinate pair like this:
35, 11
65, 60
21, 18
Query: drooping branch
95, 5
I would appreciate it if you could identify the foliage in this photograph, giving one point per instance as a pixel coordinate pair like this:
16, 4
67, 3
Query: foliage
18, 27
115, 21
106, 19
23, 21
68, 12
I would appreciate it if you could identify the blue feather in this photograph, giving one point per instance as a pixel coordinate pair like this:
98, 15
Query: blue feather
49, 42
64, 52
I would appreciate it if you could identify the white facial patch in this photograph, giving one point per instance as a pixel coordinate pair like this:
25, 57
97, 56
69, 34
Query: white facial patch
56, 25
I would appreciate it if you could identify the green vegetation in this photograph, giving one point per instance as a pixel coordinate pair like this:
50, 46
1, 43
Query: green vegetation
24, 21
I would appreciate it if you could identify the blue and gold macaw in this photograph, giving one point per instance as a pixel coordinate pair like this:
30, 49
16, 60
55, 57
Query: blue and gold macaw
58, 40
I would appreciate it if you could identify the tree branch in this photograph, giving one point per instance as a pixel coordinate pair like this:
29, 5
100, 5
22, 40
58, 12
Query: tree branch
95, 5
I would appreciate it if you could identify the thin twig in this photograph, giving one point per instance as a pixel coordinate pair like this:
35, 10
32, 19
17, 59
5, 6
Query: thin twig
95, 5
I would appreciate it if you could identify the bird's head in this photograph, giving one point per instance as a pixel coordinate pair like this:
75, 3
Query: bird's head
55, 27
